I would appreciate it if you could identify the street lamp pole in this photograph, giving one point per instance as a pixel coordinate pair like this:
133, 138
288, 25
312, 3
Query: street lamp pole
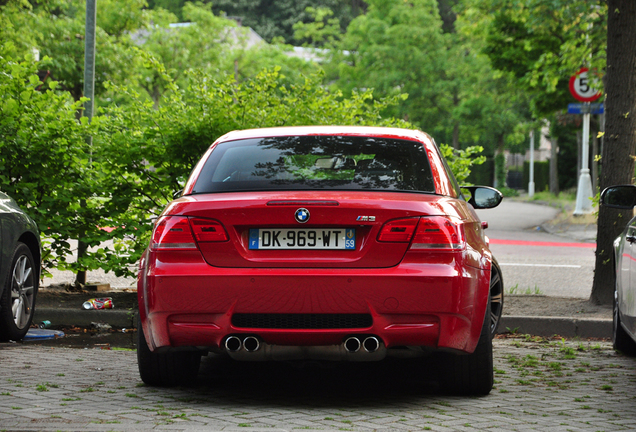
531, 182
584, 190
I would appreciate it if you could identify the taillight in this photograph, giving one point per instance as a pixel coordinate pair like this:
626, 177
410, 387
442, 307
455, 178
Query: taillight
426, 232
172, 232
180, 232
398, 230
208, 230
438, 233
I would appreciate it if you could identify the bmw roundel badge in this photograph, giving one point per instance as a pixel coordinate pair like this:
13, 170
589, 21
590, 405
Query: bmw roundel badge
302, 215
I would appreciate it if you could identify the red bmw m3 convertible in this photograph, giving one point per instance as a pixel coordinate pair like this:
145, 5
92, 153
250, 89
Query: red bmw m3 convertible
325, 242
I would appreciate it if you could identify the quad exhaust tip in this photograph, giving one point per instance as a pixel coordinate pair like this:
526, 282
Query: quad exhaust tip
352, 344
251, 344
233, 344
371, 344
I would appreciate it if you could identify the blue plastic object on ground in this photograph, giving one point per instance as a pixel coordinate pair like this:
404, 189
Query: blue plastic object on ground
40, 334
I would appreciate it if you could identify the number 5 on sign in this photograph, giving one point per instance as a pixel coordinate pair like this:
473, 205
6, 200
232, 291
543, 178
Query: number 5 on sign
581, 88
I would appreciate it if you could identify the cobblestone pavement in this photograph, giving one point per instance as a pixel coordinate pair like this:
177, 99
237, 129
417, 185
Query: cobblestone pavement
540, 385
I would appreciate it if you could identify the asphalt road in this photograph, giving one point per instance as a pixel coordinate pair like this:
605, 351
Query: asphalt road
534, 261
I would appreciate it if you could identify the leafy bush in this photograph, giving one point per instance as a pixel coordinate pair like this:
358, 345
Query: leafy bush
45, 159
460, 161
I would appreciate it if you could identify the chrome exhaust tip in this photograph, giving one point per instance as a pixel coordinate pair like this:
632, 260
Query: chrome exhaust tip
352, 344
371, 344
233, 344
251, 344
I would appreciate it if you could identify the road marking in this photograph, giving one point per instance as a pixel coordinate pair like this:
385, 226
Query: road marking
541, 243
540, 265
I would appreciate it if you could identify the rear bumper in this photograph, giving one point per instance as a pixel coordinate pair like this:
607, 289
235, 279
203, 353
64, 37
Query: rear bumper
438, 305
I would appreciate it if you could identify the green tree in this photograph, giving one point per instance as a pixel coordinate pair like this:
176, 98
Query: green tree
275, 19
199, 43
541, 44
44, 160
401, 48
56, 30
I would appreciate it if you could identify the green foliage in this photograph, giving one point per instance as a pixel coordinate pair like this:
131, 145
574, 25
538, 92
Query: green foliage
400, 47
541, 175
275, 19
200, 43
461, 161
59, 36
542, 43
44, 159
324, 31
509, 192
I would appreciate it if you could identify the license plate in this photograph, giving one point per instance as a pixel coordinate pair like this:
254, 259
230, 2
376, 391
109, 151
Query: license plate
302, 238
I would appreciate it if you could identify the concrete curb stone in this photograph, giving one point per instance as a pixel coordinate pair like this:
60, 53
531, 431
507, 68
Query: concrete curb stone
563, 326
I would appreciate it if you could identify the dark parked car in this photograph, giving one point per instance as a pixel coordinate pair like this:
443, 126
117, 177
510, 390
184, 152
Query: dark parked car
325, 243
19, 269
624, 334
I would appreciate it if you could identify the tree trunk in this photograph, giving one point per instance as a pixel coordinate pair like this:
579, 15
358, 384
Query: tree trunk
620, 138
554, 169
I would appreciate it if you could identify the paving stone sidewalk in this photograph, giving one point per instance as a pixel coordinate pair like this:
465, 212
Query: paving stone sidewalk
540, 385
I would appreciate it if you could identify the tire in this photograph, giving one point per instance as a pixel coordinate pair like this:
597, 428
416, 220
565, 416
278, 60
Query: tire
470, 374
17, 305
168, 368
496, 297
621, 340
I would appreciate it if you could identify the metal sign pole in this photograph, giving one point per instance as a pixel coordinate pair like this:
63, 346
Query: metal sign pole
531, 182
584, 190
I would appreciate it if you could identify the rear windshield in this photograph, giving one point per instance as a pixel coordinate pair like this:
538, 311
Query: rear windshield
316, 162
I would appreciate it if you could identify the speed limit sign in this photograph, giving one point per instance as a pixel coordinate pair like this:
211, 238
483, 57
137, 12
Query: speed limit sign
581, 88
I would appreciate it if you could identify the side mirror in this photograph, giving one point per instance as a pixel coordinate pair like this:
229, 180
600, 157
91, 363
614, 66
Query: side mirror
620, 197
483, 197
177, 194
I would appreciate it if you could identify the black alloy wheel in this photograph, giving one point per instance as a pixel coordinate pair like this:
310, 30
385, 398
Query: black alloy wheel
496, 297
18, 297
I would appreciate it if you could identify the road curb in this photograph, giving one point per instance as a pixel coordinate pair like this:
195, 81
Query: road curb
562, 326
537, 326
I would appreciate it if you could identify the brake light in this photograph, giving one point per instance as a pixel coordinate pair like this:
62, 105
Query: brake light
438, 233
172, 232
398, 230
208, 230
